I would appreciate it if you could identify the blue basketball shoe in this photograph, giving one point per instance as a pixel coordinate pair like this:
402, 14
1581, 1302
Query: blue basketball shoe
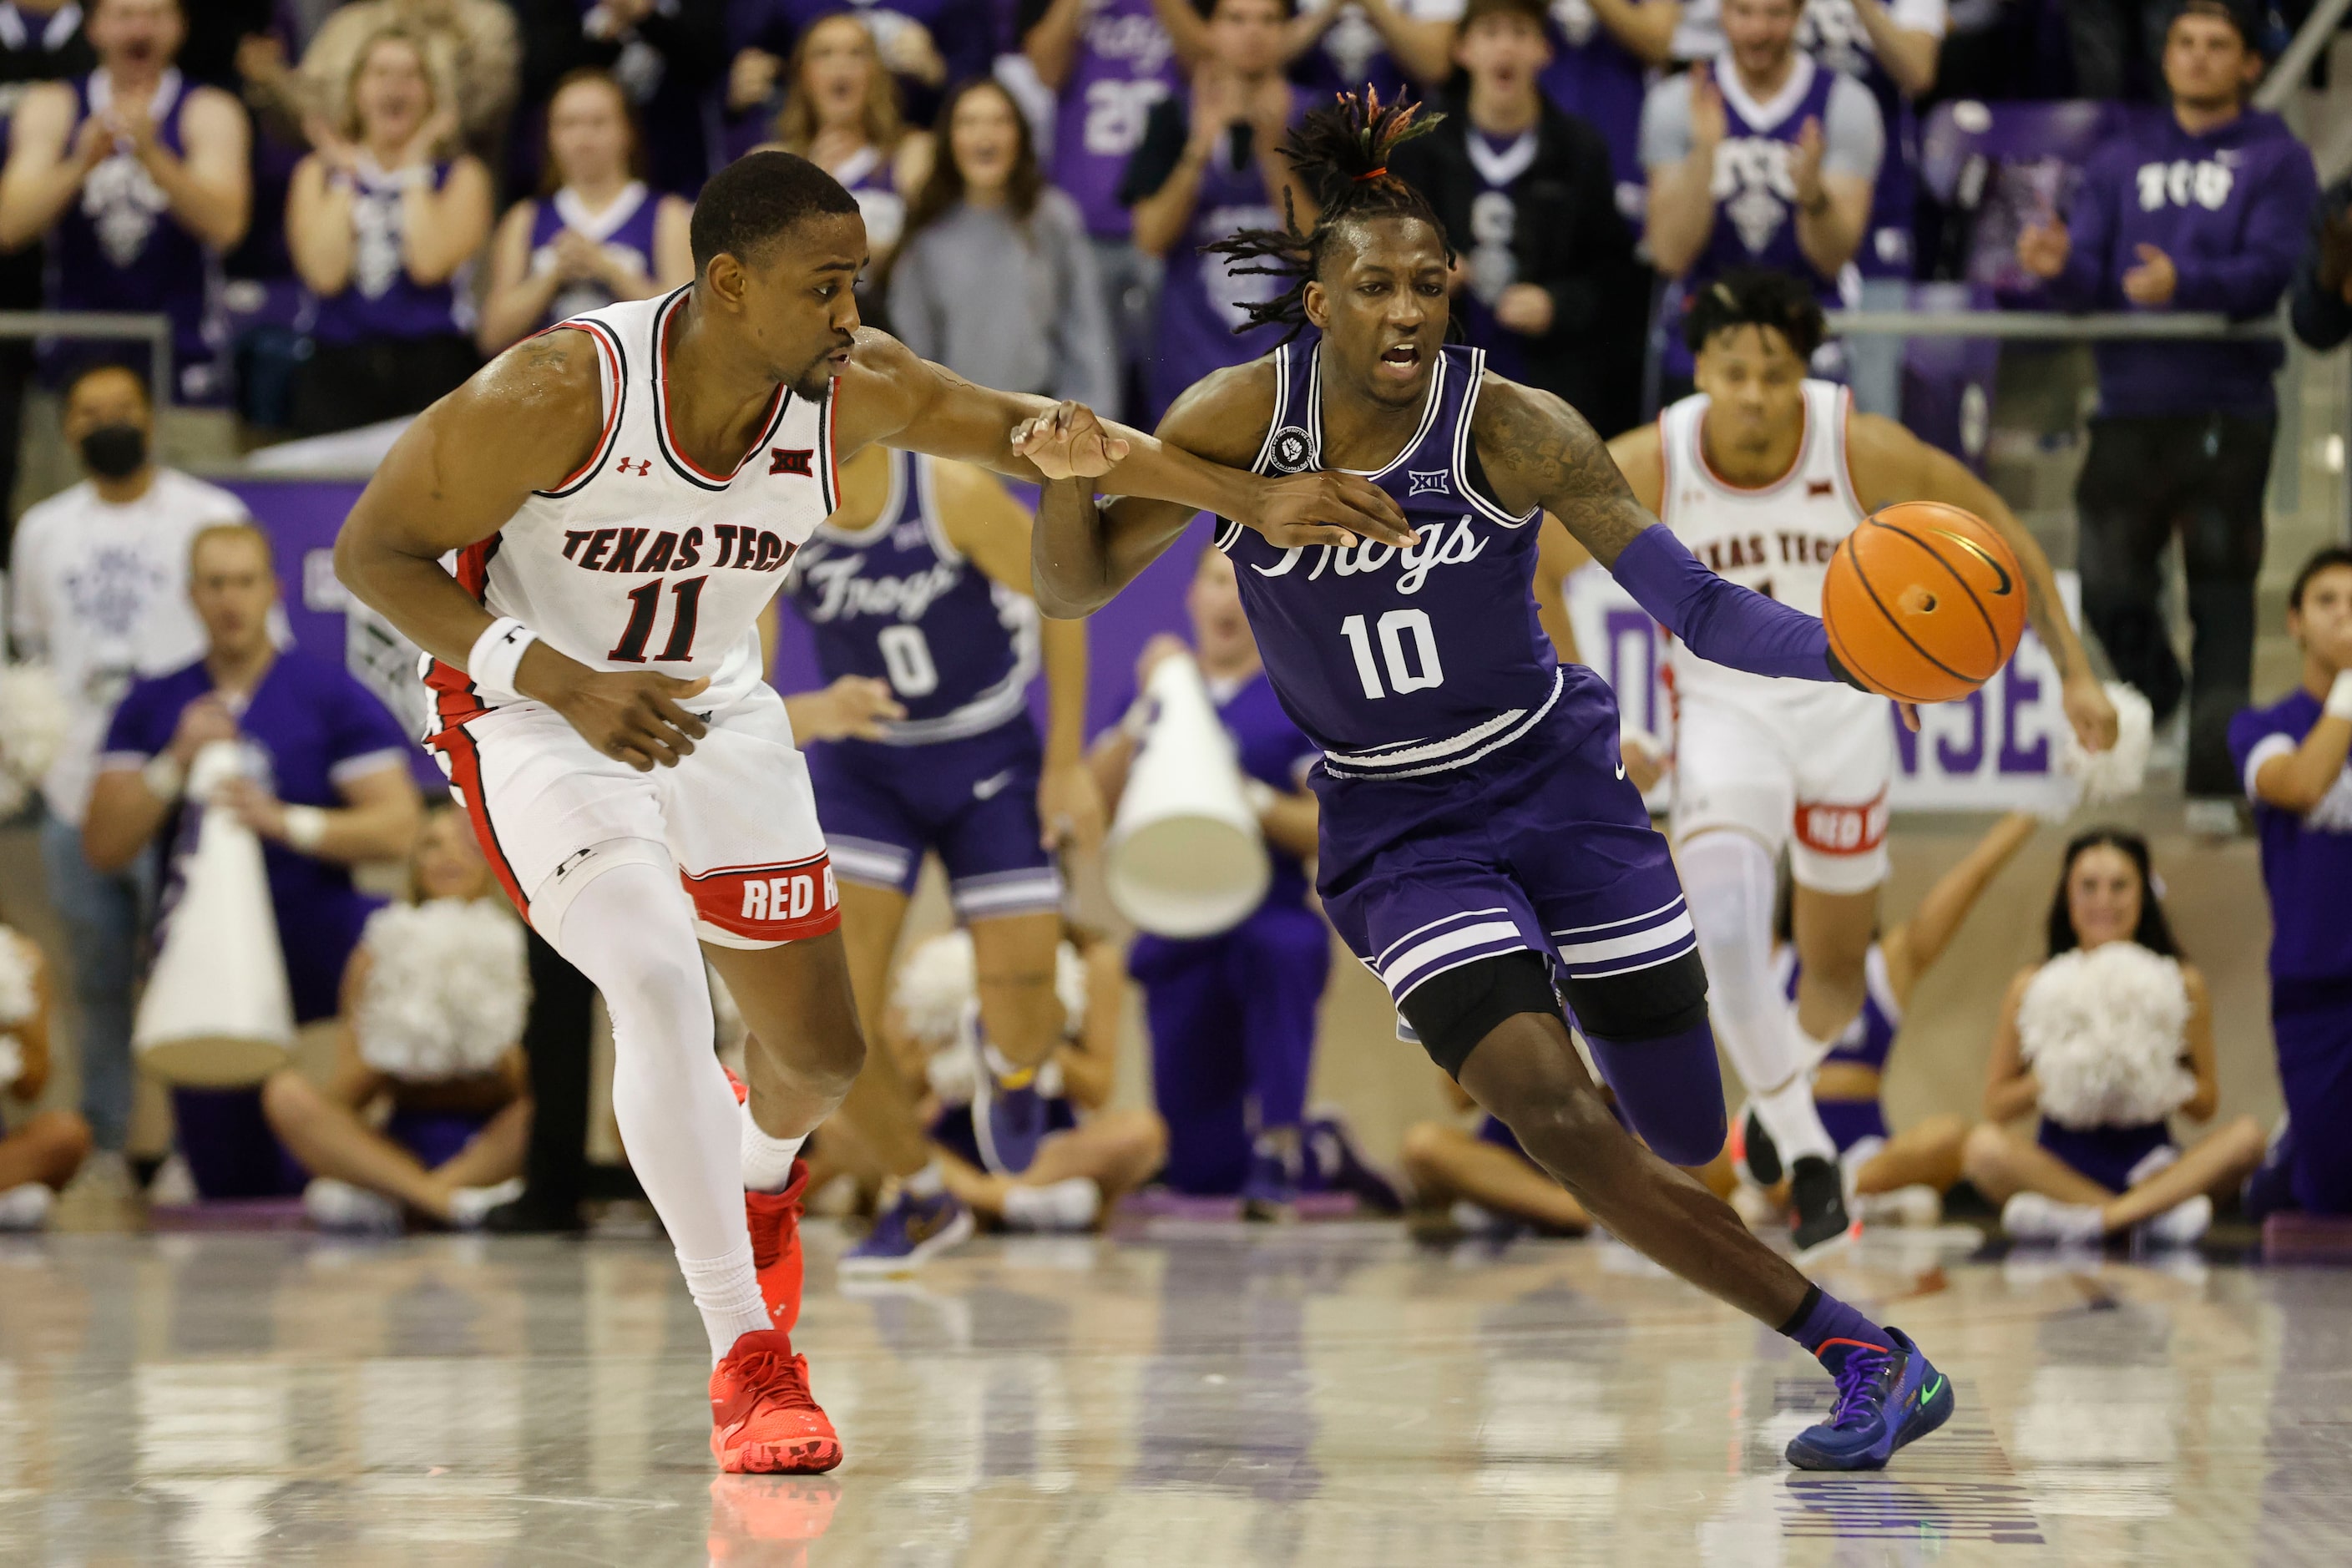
1885, 1398
912, 1229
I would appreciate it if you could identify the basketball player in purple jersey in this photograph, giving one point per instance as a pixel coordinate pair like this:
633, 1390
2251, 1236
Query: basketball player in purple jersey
1481, 849
920, 578
137, 176
1761, 159
1207, 170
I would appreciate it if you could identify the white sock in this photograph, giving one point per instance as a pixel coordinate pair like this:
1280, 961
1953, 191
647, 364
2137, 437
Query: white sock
1809, 1051
631, 933
1789, 1114
1727, 884
727, 1291
767, 1160
1068, 1204
469, 1206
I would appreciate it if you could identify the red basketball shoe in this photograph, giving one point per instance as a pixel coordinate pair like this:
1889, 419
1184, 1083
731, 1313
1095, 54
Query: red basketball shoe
769, 1521
775, 1223
764, 1420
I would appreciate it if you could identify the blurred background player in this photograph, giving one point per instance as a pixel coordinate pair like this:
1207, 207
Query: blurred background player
1890, 1177
2292, 757
1232, 1017
921, 578
1761, 473
2105, 1038
432, 1005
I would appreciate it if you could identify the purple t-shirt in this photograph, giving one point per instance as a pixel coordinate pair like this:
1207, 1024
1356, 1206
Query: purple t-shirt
380, 299
311, 727
1597, 78
2307, 860
1124, 64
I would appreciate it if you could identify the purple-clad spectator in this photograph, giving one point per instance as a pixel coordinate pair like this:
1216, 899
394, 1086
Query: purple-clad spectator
382, 225
137, 176
1602, 52
327, 783
841, 113
2203, 209
1107, 62
1207, 170
596, 233
1399, 48
994, 277
668, 56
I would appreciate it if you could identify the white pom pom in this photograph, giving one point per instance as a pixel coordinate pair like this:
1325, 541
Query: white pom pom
33, 723
2117, 773
447, 990
935, 985
2105, 1032
20, 997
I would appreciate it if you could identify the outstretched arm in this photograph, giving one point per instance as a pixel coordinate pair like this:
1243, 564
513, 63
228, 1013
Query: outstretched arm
1913, 946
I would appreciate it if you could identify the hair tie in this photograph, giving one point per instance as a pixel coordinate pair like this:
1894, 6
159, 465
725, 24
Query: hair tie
1371, 174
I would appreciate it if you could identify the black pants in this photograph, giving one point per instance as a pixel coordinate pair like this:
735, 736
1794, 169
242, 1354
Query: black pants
343, 386
2199, 475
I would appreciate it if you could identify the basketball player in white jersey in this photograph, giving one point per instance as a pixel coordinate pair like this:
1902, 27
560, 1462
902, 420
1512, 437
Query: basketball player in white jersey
1761, 473
620, 496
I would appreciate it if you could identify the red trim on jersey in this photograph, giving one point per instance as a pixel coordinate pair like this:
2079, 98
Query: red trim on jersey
1830, 829
1845, 429
661, 380
831, 462
465, 779
739, 899
612, 413
454, 701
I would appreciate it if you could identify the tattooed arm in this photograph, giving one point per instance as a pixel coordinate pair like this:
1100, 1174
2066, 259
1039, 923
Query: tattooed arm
1538, 451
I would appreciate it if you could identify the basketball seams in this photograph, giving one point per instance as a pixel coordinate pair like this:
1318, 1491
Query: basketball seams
1952, 572
1862, 577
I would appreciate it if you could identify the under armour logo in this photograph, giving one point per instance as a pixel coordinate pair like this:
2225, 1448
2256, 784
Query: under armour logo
1424, 482
644, 466
795, 462
1817, 488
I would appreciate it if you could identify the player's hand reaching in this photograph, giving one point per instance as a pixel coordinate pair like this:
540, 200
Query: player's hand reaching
854, 708
1068, 442
633, 715
1327, 508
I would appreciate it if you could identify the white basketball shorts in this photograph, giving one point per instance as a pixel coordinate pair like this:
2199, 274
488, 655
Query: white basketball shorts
1810, 772
737, 818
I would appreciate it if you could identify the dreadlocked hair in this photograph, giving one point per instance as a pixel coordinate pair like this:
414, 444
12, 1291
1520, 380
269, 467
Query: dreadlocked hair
1341, 154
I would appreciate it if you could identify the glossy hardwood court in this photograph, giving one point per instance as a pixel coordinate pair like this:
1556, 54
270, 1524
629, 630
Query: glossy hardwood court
1195, 1395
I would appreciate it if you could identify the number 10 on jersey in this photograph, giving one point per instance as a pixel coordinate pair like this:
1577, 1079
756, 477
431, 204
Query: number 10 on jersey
1408, 648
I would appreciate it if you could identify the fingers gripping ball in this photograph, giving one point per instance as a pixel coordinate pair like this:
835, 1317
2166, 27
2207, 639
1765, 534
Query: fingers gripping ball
1924, 601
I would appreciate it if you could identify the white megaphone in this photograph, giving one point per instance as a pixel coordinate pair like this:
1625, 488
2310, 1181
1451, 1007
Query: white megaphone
1186, 857
217, 1012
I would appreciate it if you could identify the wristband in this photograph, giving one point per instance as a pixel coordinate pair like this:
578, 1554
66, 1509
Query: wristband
306, 826
492, 661
2340, 697
163, 776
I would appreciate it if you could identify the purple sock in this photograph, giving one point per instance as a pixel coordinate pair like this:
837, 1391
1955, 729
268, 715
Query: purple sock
1830, 1330
1669, 1090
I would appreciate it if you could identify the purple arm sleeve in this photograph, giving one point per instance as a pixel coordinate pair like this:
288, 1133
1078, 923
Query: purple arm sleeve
1723, 622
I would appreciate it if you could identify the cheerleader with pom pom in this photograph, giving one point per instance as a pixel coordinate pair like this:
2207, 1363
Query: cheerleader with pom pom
40, 1154
2106, 1039
433, 1001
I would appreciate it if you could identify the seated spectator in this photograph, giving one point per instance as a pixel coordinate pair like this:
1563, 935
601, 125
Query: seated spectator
2203, 210
39, 1153
382, 228
1479, 1172
100, 593
1761, 158
137, 177
666, 56
471, 48
1092, 1156
1207, 170
433, 1003
327, 784
1897, 1178
2107, 1038
597, 233
994, 278
1232, 1017
1547, 282
2291, 755
841, 113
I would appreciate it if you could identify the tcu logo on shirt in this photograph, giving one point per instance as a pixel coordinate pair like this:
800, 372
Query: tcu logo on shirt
2180, 182
1754, 187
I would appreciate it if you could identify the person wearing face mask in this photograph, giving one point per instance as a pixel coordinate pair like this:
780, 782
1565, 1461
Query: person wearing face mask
994, 277
100, 593
2105, 1039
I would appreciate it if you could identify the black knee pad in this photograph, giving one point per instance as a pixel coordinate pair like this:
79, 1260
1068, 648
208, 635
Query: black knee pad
1643, 1005
1453, 1011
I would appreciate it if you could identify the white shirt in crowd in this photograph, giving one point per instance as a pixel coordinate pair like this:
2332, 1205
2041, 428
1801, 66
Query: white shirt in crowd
101, 592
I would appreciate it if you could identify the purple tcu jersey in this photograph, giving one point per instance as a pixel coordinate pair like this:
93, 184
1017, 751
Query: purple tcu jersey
2306, 859
1125, 64
1399, 664
1598, 80
1831, 32
116, 245
897, 601
625, 230
1871, 1036
1201, 303
1491, 265
380, 299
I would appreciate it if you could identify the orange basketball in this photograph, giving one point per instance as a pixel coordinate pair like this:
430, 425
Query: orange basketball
1924, 602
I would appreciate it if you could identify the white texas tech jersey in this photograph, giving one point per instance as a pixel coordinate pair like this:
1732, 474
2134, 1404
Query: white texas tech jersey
640, 560
1777, 539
